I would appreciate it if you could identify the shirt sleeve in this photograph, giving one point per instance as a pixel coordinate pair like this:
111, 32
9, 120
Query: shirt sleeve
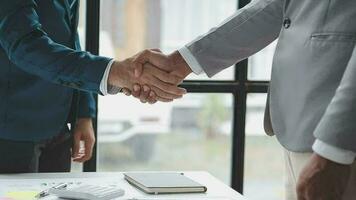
104, 80
191, 60
334, 153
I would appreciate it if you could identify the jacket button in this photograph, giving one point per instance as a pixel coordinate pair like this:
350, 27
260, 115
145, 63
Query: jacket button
286, 23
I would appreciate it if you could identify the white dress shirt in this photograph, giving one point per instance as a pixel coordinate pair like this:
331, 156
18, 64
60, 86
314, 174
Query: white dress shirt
104, 80
323, 149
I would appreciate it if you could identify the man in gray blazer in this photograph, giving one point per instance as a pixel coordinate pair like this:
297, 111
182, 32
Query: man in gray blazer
312, 96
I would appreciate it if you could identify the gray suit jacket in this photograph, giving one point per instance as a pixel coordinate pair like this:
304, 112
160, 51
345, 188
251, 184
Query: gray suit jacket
313, 85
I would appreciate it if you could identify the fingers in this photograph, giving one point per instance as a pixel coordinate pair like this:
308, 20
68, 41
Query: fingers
152, 99
76, 145
88, 150
149, 56
88, 144
145, 94
136, 91
164, 76
126, 91
168, 91
164, 96
161, 99
162, 80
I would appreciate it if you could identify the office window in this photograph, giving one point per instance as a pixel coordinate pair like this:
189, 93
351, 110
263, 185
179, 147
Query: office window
164, 136
264, 164
82, 22
133, 136
128, 26
260, 64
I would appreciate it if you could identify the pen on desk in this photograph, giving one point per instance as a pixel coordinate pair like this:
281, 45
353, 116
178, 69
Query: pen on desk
45, 193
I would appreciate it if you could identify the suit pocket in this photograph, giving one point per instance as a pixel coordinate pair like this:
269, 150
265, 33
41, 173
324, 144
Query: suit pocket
336, 45
334, 37
328, 54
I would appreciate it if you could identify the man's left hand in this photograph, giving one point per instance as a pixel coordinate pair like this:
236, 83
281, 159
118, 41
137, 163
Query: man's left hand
322, 179
83, 132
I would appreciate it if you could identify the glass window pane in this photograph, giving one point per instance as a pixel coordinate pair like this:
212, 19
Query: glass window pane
129, 26
264, 163
260, 64
166, 136
82, 22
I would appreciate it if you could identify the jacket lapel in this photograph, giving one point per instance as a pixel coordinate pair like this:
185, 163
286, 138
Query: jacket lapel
75, 11
67, 10
72, 17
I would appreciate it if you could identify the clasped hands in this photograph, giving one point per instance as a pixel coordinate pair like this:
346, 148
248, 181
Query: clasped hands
151, 76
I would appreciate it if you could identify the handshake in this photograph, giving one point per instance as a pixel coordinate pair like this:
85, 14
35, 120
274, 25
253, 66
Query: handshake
151, 76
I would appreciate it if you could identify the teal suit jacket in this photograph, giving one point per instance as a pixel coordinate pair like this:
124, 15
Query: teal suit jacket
45, 79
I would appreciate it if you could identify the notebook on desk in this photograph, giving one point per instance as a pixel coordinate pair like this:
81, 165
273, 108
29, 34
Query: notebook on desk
164, 183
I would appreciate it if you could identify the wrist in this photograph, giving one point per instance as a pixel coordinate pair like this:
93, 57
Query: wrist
84, 120
118, 75
178, 61
83, 123
322, 161
114, 74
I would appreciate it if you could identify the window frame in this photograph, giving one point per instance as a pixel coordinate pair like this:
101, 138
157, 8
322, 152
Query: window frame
239, 88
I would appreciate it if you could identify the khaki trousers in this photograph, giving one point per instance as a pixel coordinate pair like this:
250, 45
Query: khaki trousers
295, 163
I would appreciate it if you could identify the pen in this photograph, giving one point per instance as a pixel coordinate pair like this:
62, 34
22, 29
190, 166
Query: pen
45, 193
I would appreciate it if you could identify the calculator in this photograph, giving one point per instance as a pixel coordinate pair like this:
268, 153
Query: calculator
88, 192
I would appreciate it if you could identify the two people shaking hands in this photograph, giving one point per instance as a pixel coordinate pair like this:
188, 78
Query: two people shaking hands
151, 76
45, 77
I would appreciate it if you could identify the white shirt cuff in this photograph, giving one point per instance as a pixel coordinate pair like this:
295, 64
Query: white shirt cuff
333, 153
104, 80
191, 60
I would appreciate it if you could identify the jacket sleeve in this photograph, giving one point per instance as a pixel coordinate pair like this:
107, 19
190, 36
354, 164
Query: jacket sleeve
87, 105
246, 32
28, 46
338, 124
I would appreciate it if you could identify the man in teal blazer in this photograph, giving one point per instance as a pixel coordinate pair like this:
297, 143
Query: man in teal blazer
46, 82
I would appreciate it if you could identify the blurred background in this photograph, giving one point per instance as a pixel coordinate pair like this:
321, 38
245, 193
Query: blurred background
193, 133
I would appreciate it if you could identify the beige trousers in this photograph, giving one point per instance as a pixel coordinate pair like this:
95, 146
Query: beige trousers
295, 163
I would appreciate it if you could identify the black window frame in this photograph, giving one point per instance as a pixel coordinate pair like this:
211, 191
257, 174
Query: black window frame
240, 87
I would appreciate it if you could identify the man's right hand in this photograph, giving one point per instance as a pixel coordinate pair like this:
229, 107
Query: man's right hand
174, 63
161, 83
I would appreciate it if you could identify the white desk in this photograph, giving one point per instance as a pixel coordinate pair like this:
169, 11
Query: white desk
216, 189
